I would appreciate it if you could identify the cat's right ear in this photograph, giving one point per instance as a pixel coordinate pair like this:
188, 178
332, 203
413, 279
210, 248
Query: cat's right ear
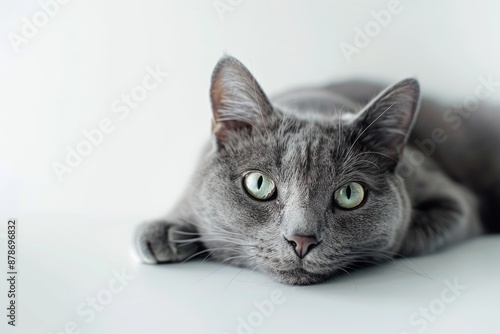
238, 102
384, 125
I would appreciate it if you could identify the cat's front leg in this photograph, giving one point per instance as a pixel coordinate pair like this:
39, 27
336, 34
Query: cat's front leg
443, 213
164, 241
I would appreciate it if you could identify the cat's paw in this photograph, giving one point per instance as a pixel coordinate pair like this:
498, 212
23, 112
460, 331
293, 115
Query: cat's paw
163, 242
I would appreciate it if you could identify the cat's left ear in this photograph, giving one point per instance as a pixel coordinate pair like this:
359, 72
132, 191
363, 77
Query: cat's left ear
384, 125
238, 102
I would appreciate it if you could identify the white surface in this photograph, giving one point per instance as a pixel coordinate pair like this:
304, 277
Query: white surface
65, 80
66, 260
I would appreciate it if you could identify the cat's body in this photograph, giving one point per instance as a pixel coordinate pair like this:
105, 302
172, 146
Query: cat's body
277, 188
469, 151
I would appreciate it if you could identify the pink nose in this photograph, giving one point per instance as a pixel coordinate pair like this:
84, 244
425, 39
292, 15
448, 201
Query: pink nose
302, 244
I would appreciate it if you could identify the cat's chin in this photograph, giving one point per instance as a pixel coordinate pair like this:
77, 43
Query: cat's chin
297, 276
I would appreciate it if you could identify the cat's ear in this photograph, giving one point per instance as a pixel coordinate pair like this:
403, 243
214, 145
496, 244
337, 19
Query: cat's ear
384, 125
238, 102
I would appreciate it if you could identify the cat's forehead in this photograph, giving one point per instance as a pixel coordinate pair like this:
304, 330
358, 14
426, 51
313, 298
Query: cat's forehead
308, 148
299, 156
294, 144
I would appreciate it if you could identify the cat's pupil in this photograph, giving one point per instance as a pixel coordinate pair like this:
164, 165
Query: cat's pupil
259, 181
348, 192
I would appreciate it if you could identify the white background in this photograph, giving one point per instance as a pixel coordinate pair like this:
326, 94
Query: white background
65, 79
75, 231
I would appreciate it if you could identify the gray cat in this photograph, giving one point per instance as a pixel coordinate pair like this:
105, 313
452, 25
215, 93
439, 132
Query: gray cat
323, 180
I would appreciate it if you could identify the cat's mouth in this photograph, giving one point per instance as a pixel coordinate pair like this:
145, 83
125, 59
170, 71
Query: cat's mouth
297, 276
296, 272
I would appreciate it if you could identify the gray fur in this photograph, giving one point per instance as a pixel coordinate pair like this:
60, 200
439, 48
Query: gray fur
311, 142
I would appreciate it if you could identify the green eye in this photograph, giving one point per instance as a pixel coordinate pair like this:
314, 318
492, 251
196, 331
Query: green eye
350, 196
259, 185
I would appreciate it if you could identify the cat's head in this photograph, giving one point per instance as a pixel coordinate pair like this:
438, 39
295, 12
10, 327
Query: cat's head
302, 199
